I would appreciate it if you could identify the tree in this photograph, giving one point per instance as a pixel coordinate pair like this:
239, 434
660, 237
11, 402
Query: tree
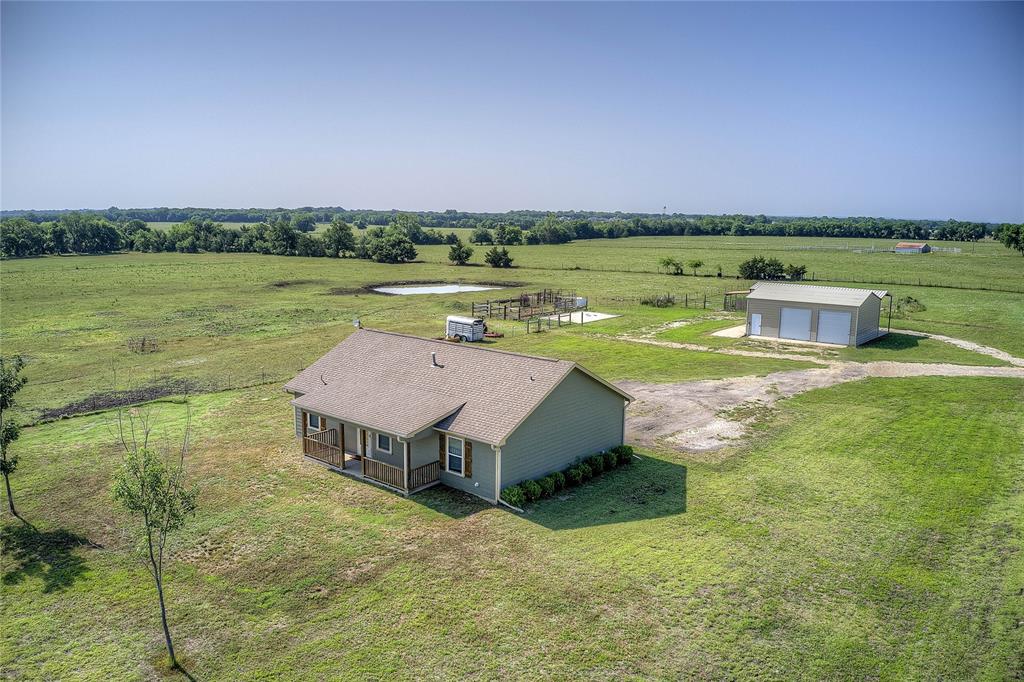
760, 268
152, 487
11, 382
338, 238
409, 225
481, 235
459, 253
309, 246
551, 230
508, 234
672, 265
498, 258
387, 245
694, 265
795, 272
303, 222
1011, 236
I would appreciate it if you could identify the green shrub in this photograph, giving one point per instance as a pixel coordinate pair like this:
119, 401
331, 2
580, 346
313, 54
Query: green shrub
559, 478
624, 454
514, 495
574, 475
531, 489
596, 464
611, 460
585, 470
547, 486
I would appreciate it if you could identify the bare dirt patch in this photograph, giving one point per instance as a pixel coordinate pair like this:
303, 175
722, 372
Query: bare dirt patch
703, 416
106, 400
284, 283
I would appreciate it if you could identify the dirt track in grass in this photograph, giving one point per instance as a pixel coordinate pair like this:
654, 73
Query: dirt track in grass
703, 416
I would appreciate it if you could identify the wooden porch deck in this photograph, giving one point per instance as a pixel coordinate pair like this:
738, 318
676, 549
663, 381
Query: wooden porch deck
323, 447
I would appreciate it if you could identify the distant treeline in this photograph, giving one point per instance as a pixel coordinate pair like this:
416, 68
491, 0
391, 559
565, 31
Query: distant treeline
585, 224
288, 233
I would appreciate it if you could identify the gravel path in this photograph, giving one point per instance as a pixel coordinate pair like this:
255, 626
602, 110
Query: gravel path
695, 416
968, 345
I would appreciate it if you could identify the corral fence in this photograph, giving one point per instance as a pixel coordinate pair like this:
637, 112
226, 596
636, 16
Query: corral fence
530, 305
536, 324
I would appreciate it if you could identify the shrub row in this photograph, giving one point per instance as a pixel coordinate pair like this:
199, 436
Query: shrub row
580, 472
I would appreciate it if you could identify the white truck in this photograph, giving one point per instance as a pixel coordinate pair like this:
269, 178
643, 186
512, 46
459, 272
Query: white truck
465, 328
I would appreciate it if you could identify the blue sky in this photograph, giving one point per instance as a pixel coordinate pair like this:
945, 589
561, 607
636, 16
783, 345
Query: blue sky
903, 110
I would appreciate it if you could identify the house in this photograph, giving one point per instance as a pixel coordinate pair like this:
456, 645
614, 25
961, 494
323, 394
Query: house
912, 247
408, 413
801, 312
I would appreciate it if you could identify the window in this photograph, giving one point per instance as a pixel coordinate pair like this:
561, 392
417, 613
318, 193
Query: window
383, 443
314, 422
455, 455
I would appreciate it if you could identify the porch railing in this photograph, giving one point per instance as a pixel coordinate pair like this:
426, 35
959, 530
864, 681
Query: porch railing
323, 445
384, 473
422, 475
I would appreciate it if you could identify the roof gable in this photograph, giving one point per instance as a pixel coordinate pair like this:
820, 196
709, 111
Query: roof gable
387, 381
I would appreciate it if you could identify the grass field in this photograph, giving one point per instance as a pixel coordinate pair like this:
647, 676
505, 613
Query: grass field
874, 530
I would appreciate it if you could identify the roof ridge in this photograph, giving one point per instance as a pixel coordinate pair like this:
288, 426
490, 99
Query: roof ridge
467, 347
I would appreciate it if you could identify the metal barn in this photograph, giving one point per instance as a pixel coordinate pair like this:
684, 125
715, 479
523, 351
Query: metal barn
800, 312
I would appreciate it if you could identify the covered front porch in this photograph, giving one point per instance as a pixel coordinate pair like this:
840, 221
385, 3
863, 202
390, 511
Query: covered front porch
324, 447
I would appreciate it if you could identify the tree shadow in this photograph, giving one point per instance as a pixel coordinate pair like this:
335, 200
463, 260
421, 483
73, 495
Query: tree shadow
650, 488
46, 555
452, 503
894, 341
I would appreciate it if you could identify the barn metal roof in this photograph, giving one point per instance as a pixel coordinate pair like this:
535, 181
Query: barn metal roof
808, 293
387, 381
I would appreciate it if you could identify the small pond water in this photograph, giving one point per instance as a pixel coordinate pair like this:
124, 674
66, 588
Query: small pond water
405, 290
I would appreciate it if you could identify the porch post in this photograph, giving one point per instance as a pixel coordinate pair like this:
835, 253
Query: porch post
405, 471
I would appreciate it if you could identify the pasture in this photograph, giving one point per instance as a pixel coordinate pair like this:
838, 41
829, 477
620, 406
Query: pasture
874, 529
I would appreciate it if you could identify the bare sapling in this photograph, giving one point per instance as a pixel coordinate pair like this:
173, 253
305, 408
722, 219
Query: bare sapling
151, 486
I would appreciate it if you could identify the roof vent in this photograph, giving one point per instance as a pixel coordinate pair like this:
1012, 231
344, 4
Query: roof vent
433, 360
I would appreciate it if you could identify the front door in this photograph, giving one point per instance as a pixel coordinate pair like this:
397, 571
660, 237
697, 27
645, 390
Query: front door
362, 442
755, 324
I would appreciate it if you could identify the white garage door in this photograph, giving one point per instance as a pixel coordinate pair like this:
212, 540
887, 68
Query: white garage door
795, 324
833, 327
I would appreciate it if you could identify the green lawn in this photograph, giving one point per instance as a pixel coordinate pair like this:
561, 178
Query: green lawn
871, 530
894, 346
225, 320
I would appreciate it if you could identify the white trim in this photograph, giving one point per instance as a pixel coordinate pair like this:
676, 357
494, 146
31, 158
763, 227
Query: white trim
376, 442
497, 471
448, 455
309, 423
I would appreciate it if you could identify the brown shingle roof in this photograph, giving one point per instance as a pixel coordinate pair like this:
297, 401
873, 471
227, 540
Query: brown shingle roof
386, 380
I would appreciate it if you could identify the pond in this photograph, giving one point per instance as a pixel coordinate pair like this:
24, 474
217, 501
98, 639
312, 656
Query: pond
406, 290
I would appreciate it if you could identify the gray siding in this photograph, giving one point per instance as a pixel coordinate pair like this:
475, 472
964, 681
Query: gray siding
424, 449
580, 417
867, 320
298, 423
771, 315
481, 481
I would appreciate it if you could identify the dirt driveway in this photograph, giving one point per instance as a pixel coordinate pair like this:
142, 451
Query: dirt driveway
694, 416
